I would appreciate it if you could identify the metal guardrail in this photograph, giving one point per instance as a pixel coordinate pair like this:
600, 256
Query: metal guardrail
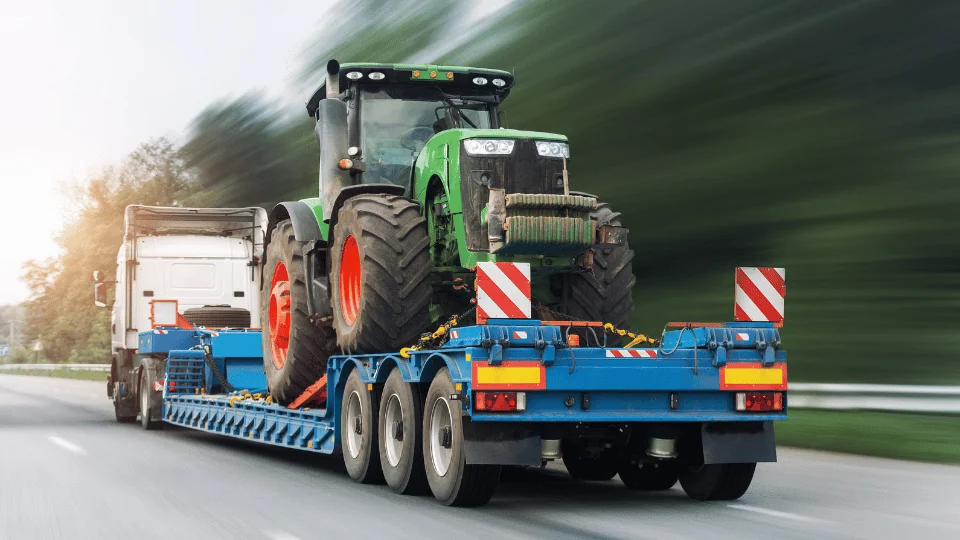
50, 367
839, 397
875, 397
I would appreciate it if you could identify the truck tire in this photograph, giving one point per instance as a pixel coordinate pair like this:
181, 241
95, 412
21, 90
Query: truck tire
720, 482
218, 317
123, 414
295, 350
605, 293
648, 476
358, 421
143, 396
401, 446
582, 465
452, 481
380, 274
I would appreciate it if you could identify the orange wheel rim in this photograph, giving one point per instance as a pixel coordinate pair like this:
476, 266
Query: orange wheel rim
279, 315
350, 274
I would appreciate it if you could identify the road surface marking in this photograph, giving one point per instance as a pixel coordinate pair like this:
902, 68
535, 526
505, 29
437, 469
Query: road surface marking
280, 535
775, 513
66, 445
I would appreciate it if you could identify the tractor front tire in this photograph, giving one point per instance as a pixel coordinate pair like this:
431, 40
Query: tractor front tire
295, 350
380, 274
605, 292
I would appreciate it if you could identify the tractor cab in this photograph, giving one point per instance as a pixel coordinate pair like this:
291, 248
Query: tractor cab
393, 110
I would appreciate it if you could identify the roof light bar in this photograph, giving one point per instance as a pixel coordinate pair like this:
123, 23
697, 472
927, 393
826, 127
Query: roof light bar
355, 75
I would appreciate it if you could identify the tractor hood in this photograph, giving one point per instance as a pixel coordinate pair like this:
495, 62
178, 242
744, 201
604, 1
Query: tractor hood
506, 134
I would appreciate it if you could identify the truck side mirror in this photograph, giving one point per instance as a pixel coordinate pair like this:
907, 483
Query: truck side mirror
100, 295
97, 276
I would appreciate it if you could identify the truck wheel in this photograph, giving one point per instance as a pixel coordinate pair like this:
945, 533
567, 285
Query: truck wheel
452, 481
720, 482
218, 317
379, 276
358, 424
584, 465
648, 476
604, 293
401, 447
145, 409
123, 414
295, 350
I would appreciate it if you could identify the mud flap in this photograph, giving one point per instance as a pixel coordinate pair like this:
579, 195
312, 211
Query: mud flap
493, 443
738, 442
155, 372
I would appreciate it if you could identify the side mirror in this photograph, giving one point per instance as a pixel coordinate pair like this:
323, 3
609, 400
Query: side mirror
100, 295
97, 276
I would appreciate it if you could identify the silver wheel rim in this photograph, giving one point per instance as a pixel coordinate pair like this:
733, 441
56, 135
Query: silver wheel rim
144, 396
394, 414
440, 420
354, 416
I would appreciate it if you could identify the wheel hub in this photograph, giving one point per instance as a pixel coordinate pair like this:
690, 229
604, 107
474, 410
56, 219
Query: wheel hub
279, 315
350, 280
393, 443
441, 436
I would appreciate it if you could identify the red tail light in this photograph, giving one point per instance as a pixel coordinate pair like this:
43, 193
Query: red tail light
499, 401
759, 401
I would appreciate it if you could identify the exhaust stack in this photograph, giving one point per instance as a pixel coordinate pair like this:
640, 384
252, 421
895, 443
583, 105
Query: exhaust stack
333, 79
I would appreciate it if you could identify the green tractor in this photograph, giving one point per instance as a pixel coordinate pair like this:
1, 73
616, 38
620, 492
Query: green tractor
418, 183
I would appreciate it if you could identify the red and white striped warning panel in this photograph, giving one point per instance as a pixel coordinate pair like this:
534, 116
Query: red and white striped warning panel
519, 335
760, 294
503, 291
631, 353
743, 336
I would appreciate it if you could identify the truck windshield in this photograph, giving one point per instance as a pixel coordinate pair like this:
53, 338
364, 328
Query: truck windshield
397, 122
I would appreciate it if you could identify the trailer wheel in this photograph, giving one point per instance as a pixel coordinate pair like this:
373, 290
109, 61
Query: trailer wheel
452, 481
584, 465
358, 425
295, 350
401, 447
605, 293
380, 272
719, 482
648, 476
145, 409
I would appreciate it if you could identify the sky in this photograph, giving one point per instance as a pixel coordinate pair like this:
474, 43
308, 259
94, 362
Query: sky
84, 83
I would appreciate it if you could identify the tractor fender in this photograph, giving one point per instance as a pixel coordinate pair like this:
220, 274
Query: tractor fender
301, 216
155, 371
362, 189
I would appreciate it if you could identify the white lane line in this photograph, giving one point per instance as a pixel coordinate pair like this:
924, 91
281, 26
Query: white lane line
67, 445
775, 513
280, 535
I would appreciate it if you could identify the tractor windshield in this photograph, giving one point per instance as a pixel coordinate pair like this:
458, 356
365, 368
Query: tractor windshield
397, 122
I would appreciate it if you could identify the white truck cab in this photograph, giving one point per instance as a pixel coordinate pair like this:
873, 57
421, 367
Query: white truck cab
203, 259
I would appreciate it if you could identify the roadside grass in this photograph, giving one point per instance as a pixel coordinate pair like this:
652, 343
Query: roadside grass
60, 373
917, 437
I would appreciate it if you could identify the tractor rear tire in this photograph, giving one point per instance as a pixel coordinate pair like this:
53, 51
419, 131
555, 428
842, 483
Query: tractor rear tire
218, 317
380, 274
604, 293
295, 350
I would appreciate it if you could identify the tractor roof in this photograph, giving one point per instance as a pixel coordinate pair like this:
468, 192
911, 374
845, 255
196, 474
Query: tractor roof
456, 78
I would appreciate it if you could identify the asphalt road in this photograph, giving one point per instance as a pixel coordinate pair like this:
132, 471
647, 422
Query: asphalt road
68, 471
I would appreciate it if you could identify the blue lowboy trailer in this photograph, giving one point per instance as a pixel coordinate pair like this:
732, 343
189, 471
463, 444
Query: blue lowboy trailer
698, 408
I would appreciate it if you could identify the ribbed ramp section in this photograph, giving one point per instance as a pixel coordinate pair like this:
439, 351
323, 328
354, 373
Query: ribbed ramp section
252, 420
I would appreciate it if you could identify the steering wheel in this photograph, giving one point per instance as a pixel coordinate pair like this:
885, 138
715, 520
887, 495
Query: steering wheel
415, 138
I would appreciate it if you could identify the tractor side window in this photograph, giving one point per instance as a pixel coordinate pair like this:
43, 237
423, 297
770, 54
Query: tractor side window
396, 123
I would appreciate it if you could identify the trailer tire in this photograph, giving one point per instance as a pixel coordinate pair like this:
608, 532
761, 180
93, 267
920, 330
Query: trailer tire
218, 317
401, 414
295, 350
380, 273
452, 481
648, 476
718, 482
605, 292
143, 397
583, 466
358, 421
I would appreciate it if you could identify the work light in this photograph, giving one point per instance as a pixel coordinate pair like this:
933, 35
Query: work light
553, 149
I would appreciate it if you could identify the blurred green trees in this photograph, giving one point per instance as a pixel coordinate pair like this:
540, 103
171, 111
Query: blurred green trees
820, 137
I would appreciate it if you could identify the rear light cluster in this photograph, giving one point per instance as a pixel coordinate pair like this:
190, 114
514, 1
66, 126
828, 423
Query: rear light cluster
499, 401
759, 401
